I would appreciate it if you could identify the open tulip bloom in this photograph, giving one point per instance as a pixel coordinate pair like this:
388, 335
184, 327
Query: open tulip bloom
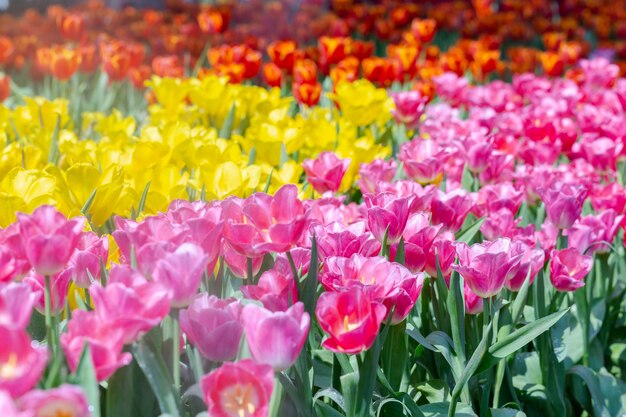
279, 209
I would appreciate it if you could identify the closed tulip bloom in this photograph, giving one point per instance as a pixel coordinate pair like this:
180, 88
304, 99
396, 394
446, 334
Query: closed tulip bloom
444, 252
275, 290
423, 160
240, 389
66, 401
336, 239
486, 266
326, 172
16, 305
181, 272
409, 107
49, 238
276, 338
350, 319
473, 303
568, 268
387, 214
564, 203
84, 265
21, 362
58, 291
212, 325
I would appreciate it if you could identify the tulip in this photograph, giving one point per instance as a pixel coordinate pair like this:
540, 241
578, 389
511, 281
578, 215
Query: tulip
351, 320
307, 94
486, 266
272, 74
276, 338
84, 264
242, 388
13, 261
21, 361
409, 108
336, 239
5, 87
130, 302
419, 236
212, 325
282, 54
16, 305
423, 160
387, 214
8, 408
105, 342
58, 291
451, 209
65, 400
473, 303
181, 272
238, 264
568, 268
376, 172
326, 172
49, 238
275, 290
531, 263
564, 203
444, 251
595, 233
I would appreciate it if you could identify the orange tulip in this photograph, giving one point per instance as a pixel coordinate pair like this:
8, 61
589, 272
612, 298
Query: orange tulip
282, 54
362, 49
333, 49
553, 40
424, 29
168, 66
89, 59
272, 75
552, 63
116, 61
138, 76
235, 72
64, 63
72, 27
6, 49
305, 72
211, 22
5, 87
378, 70
570, 52
307, 94
404, 58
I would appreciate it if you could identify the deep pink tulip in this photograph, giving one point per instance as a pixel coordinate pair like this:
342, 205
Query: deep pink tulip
602, 153
58, 291
8, 408
532, 261
564, 203
105, 342
450, 209
277, 291
301, 259
130, 302
276, 338
500, 168
374, 174
473, 303
418, 239
423, 160
64, 401
84, 264
269, 224
421, 195
595, 233
409, 107
495, 197
337, 239
49, 238
213, 326
486, 266
181, 273
155, 229
609, 196
350, 318
242, 388
444, 251
238, 263
13, 261
22, 362
568, 268
383, 281
387, 214
325, 172
16, 305
501, 223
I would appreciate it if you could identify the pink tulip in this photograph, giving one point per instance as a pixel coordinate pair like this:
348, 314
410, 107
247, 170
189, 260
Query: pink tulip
49, 238
486, 266
532, 260
564, 203
423, 160
58, 291
610, 196
350, 319
500, 168
473, 303
383, 281
501, 223
336, 239
242, 388
8, 408
325, 172
238, 264
276, 338
372, 175
421, 196
181, 273
105, 342
130, 302
478, 156
595, 233
267, 224
409, 107
13, 261
212, 325
387, 214
275, 290
16, 305
154, 229
568, 268
495, 197
450, 209
64, 401
443, 250
84, 264
22, 362
418, 239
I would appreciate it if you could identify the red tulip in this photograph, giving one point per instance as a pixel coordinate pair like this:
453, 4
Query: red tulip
351, 320
243, 388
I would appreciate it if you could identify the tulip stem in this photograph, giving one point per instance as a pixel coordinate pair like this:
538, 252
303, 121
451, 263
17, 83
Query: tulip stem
175, 350
48, 308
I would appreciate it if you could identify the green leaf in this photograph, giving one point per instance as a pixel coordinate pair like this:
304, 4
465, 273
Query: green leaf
332, 394
441, 410
473, 363
227, 127
594, 388
88, 203
467, 180
124, 381
466, 235
155, 370
142, 201
325, 410
400, 252
308, 294
505, 412
85, 376
53, 154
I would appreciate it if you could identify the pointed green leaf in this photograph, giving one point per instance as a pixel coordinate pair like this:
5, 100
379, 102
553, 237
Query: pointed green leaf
85, 376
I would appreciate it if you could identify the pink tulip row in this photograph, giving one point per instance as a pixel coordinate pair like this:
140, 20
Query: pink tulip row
506, 153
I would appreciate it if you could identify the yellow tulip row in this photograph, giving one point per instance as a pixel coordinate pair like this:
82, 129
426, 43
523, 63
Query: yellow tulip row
199, 139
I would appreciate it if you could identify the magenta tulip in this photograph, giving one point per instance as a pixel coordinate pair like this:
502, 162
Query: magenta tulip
84, 264
49, 238
325, 172
387, 214
564, 203
568, 268
22, 362
275, 290
64, 401
8, 408
14, 263
58, 291
374, 174
276, 338
451, 209
409, 107
212, 325
531, 263
16, 305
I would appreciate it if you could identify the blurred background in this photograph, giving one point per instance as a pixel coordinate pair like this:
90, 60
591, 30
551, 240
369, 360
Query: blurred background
17, 6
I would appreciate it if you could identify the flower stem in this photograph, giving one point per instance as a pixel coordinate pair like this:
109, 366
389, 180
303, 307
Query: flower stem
175, 350
48, 309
